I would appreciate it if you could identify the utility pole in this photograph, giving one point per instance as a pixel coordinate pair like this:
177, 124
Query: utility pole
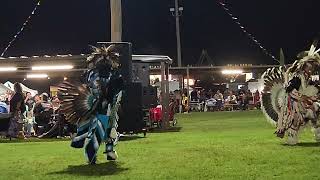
116, 20
177, 12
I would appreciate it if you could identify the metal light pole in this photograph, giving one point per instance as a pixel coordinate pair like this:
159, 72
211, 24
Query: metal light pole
177, 12
165, 94
116, 20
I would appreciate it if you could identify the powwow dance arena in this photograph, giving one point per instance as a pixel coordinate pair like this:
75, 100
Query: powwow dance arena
105, 111
93, 103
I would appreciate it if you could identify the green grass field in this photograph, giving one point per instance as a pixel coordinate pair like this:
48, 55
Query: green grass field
221, 145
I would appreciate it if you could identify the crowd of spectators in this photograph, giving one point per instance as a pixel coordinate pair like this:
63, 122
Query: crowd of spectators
208, 100
36, 116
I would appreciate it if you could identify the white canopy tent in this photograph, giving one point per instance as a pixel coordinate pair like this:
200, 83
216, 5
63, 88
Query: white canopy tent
24, 88
4, 89
9, 85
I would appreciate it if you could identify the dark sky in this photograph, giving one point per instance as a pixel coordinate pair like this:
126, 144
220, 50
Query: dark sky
68, 26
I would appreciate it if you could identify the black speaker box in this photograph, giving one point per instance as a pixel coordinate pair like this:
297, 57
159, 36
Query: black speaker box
130, 113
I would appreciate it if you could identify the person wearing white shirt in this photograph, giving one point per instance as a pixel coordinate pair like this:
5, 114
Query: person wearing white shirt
232, 99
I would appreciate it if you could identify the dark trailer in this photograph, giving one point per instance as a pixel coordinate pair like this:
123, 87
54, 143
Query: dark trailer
141, 96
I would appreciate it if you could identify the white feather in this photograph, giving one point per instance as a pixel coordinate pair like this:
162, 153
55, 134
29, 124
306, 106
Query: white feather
312, 50
277, 93
317, 51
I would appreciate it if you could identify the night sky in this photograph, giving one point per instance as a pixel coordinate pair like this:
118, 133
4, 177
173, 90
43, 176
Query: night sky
68, 26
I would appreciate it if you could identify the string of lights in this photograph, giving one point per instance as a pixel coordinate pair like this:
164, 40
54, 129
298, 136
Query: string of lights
250, 36
21, 29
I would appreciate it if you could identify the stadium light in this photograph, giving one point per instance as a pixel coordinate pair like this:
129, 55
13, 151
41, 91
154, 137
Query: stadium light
58, 67
7, 69
37, 76
232, 71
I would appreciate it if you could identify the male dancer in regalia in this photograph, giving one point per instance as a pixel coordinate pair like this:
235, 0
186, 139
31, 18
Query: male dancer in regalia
93, 106
299, 105
290, 98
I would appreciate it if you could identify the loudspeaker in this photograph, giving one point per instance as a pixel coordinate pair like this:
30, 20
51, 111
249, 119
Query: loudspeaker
130, 113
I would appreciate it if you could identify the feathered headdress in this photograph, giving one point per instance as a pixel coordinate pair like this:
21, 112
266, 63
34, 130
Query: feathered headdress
109, 54
275, 80
312, 56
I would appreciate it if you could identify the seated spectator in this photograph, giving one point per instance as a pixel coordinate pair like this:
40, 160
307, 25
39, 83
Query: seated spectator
226, 94
42, 112
219, 98
194, 95
232, 99
210, 104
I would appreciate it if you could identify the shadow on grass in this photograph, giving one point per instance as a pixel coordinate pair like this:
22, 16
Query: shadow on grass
103, 169
168, 130
305, 144
309, 144
130, 138
7, 140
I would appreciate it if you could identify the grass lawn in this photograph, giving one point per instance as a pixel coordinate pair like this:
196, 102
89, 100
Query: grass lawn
220, 145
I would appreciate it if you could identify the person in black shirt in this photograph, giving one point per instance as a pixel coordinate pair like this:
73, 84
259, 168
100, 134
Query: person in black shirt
29, 101
42, 112
194, 95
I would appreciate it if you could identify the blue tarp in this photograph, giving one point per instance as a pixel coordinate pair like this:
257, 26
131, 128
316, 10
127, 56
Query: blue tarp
3, 107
